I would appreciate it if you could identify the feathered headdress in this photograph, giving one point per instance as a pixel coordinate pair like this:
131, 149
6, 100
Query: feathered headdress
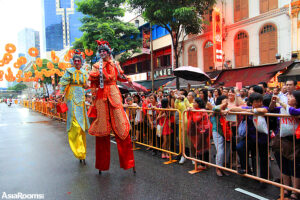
104, 45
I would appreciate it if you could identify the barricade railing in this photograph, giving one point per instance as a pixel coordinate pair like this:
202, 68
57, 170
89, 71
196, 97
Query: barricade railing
241, 149
45, 108
145, 130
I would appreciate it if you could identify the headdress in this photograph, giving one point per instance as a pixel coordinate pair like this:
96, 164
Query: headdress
77, 54
104, 45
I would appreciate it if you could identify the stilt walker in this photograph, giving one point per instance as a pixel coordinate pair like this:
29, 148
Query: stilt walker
109, 111
72, 84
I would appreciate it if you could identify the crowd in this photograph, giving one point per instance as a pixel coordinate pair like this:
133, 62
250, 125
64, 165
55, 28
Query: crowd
230, 133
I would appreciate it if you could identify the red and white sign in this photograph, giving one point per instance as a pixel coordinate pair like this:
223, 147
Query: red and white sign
217, 35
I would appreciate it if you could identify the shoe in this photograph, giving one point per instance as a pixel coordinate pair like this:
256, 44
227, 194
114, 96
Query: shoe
241, 171
225, 173
193, 162
167, 156
163, 156
218, 172
182, 160
154, 153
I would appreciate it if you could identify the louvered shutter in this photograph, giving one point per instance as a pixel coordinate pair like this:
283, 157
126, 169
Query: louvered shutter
237, 53
272, 44
273, 4
264, 6
245, 51
244, 9
208, 57
237, 10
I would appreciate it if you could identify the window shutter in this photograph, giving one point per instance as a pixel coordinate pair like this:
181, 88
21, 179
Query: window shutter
273, 4
237, 10
244, 9
272, 45
192, 57
245, 51
264, 6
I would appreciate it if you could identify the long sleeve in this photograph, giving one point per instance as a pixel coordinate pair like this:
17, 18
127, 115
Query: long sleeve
294, 111
64, 81
95, 79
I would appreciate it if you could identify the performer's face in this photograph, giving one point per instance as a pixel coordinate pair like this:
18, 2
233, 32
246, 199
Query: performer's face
103, 54
77, 62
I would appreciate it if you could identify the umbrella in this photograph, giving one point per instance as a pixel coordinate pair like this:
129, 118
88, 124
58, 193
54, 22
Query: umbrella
137, 87
191, 73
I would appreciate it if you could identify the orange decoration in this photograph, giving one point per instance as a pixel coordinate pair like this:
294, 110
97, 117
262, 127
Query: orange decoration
53, 54
10, 48
1, 63
68, 65
55, 59
33, 52
16, 65
34, 66
88, 52
39, 62
83, 55
7, 58
22, 60
67, 58
50, 65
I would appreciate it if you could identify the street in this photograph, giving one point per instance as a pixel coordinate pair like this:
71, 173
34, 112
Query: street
36, 159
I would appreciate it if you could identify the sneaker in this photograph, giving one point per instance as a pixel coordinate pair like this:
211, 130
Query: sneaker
182, 160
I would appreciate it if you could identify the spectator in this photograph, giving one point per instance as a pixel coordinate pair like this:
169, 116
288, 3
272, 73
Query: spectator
256, 101
217, 93
289, 155
264, 86
290, 87
164, 120
276, 91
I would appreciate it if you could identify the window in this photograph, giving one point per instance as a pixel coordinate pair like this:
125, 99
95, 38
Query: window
240, 10
267, 5
207, 18
268, 44
192, 56
208, 56
241, 49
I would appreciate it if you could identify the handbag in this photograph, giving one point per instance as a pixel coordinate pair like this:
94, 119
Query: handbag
92, 112
159, 129
61, 107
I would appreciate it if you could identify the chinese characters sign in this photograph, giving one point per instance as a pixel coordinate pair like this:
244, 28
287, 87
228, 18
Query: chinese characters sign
217, 35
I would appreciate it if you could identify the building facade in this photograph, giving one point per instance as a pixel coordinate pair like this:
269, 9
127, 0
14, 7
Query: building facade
61, 24
28, 38
254, 32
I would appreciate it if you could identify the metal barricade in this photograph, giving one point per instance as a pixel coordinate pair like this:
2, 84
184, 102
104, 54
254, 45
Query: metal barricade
239, 148
145, 130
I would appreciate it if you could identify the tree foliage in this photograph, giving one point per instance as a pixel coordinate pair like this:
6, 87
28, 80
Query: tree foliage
178, 17
18, 87
102, 21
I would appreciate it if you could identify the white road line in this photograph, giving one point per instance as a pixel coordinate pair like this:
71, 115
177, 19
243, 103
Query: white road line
250, 194
113, 142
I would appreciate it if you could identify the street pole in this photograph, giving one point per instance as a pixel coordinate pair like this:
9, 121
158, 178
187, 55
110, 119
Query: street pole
151, 54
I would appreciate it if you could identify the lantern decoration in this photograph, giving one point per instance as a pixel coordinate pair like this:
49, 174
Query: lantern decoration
50, 65
39, 62
10, 48
22, 60
33, 52
16, 65
1, 75
10, 76
1, 63
7, 57
88, 52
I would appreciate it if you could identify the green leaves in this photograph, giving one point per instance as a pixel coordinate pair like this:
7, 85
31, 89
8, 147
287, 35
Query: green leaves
102, 21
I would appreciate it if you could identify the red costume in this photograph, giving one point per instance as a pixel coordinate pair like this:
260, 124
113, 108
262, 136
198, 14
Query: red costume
110, 117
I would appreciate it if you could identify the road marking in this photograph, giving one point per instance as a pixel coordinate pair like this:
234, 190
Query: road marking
250, 194
113, 142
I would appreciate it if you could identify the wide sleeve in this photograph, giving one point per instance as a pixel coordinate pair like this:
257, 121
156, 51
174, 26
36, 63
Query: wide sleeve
65, 80
94, 76
122, 77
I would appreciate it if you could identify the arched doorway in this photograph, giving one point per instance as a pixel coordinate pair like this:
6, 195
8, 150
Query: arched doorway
208, 56
241, 49
192, 56
268, 44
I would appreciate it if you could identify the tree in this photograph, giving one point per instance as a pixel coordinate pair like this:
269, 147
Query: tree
102, 21
18, 87
179, 17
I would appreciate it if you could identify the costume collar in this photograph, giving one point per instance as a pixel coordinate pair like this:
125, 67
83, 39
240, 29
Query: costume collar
73, 69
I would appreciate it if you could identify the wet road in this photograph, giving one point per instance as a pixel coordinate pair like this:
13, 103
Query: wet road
35, 158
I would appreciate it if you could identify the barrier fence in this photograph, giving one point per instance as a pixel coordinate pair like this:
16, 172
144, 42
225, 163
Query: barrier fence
157, 129
239, 147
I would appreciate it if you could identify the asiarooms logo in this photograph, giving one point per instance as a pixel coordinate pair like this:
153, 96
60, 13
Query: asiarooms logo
20, 195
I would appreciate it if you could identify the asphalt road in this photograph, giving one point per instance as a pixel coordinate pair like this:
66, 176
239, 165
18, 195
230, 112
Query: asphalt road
35, 158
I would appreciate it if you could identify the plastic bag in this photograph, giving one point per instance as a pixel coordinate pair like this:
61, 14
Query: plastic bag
260, 124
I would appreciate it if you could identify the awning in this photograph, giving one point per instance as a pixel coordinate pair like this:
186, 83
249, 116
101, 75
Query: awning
250, 75
184, 83
157, 83
293, 73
